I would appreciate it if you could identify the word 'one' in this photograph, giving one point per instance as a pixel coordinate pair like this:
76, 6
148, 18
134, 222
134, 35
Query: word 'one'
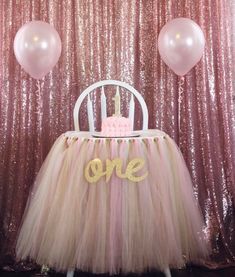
94, 170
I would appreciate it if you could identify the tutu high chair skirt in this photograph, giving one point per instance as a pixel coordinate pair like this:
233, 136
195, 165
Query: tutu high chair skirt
113, 224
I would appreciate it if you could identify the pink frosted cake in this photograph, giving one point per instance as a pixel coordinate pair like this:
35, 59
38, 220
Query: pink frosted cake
116, 126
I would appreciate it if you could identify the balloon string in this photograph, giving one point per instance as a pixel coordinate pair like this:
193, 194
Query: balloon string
39, 87
180, 98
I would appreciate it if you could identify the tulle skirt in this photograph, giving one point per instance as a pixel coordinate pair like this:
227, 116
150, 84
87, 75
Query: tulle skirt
119, 225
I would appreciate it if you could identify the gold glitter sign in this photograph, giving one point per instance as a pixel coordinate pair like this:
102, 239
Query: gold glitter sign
94, 170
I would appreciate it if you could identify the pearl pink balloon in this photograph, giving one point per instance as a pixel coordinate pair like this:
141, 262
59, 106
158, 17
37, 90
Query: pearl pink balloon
181, 44
37, 48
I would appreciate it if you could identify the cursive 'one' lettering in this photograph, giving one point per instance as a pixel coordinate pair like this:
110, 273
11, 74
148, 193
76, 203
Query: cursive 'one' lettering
94, 170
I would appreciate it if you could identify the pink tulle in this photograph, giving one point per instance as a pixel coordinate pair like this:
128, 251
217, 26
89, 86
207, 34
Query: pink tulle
115, 226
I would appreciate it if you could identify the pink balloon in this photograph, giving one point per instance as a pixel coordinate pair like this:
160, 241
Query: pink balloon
37, 48
181, 44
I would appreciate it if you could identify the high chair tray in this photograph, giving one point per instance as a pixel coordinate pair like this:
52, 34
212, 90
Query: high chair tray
100, 135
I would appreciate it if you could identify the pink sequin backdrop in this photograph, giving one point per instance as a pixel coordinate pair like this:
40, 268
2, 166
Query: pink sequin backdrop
118, 39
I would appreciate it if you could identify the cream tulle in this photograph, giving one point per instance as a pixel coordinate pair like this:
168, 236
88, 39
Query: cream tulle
115, 226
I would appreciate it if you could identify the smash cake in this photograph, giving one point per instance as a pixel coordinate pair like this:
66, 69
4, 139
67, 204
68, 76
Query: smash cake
116, 126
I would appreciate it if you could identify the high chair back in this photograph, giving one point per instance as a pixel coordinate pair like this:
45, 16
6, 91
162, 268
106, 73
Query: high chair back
101, 86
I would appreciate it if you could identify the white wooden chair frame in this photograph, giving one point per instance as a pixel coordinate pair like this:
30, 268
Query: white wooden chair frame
86, 93
101, 84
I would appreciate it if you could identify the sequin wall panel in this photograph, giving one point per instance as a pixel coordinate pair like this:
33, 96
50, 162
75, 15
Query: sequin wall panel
118, 40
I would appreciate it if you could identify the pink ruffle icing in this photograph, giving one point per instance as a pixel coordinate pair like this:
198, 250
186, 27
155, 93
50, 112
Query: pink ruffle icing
115, 126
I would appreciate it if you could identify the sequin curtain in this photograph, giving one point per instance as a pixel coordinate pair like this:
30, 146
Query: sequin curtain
117, 40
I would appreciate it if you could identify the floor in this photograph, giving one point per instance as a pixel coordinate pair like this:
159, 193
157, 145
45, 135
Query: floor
190, 272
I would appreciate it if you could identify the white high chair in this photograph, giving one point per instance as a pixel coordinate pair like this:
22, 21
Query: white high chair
102, 84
